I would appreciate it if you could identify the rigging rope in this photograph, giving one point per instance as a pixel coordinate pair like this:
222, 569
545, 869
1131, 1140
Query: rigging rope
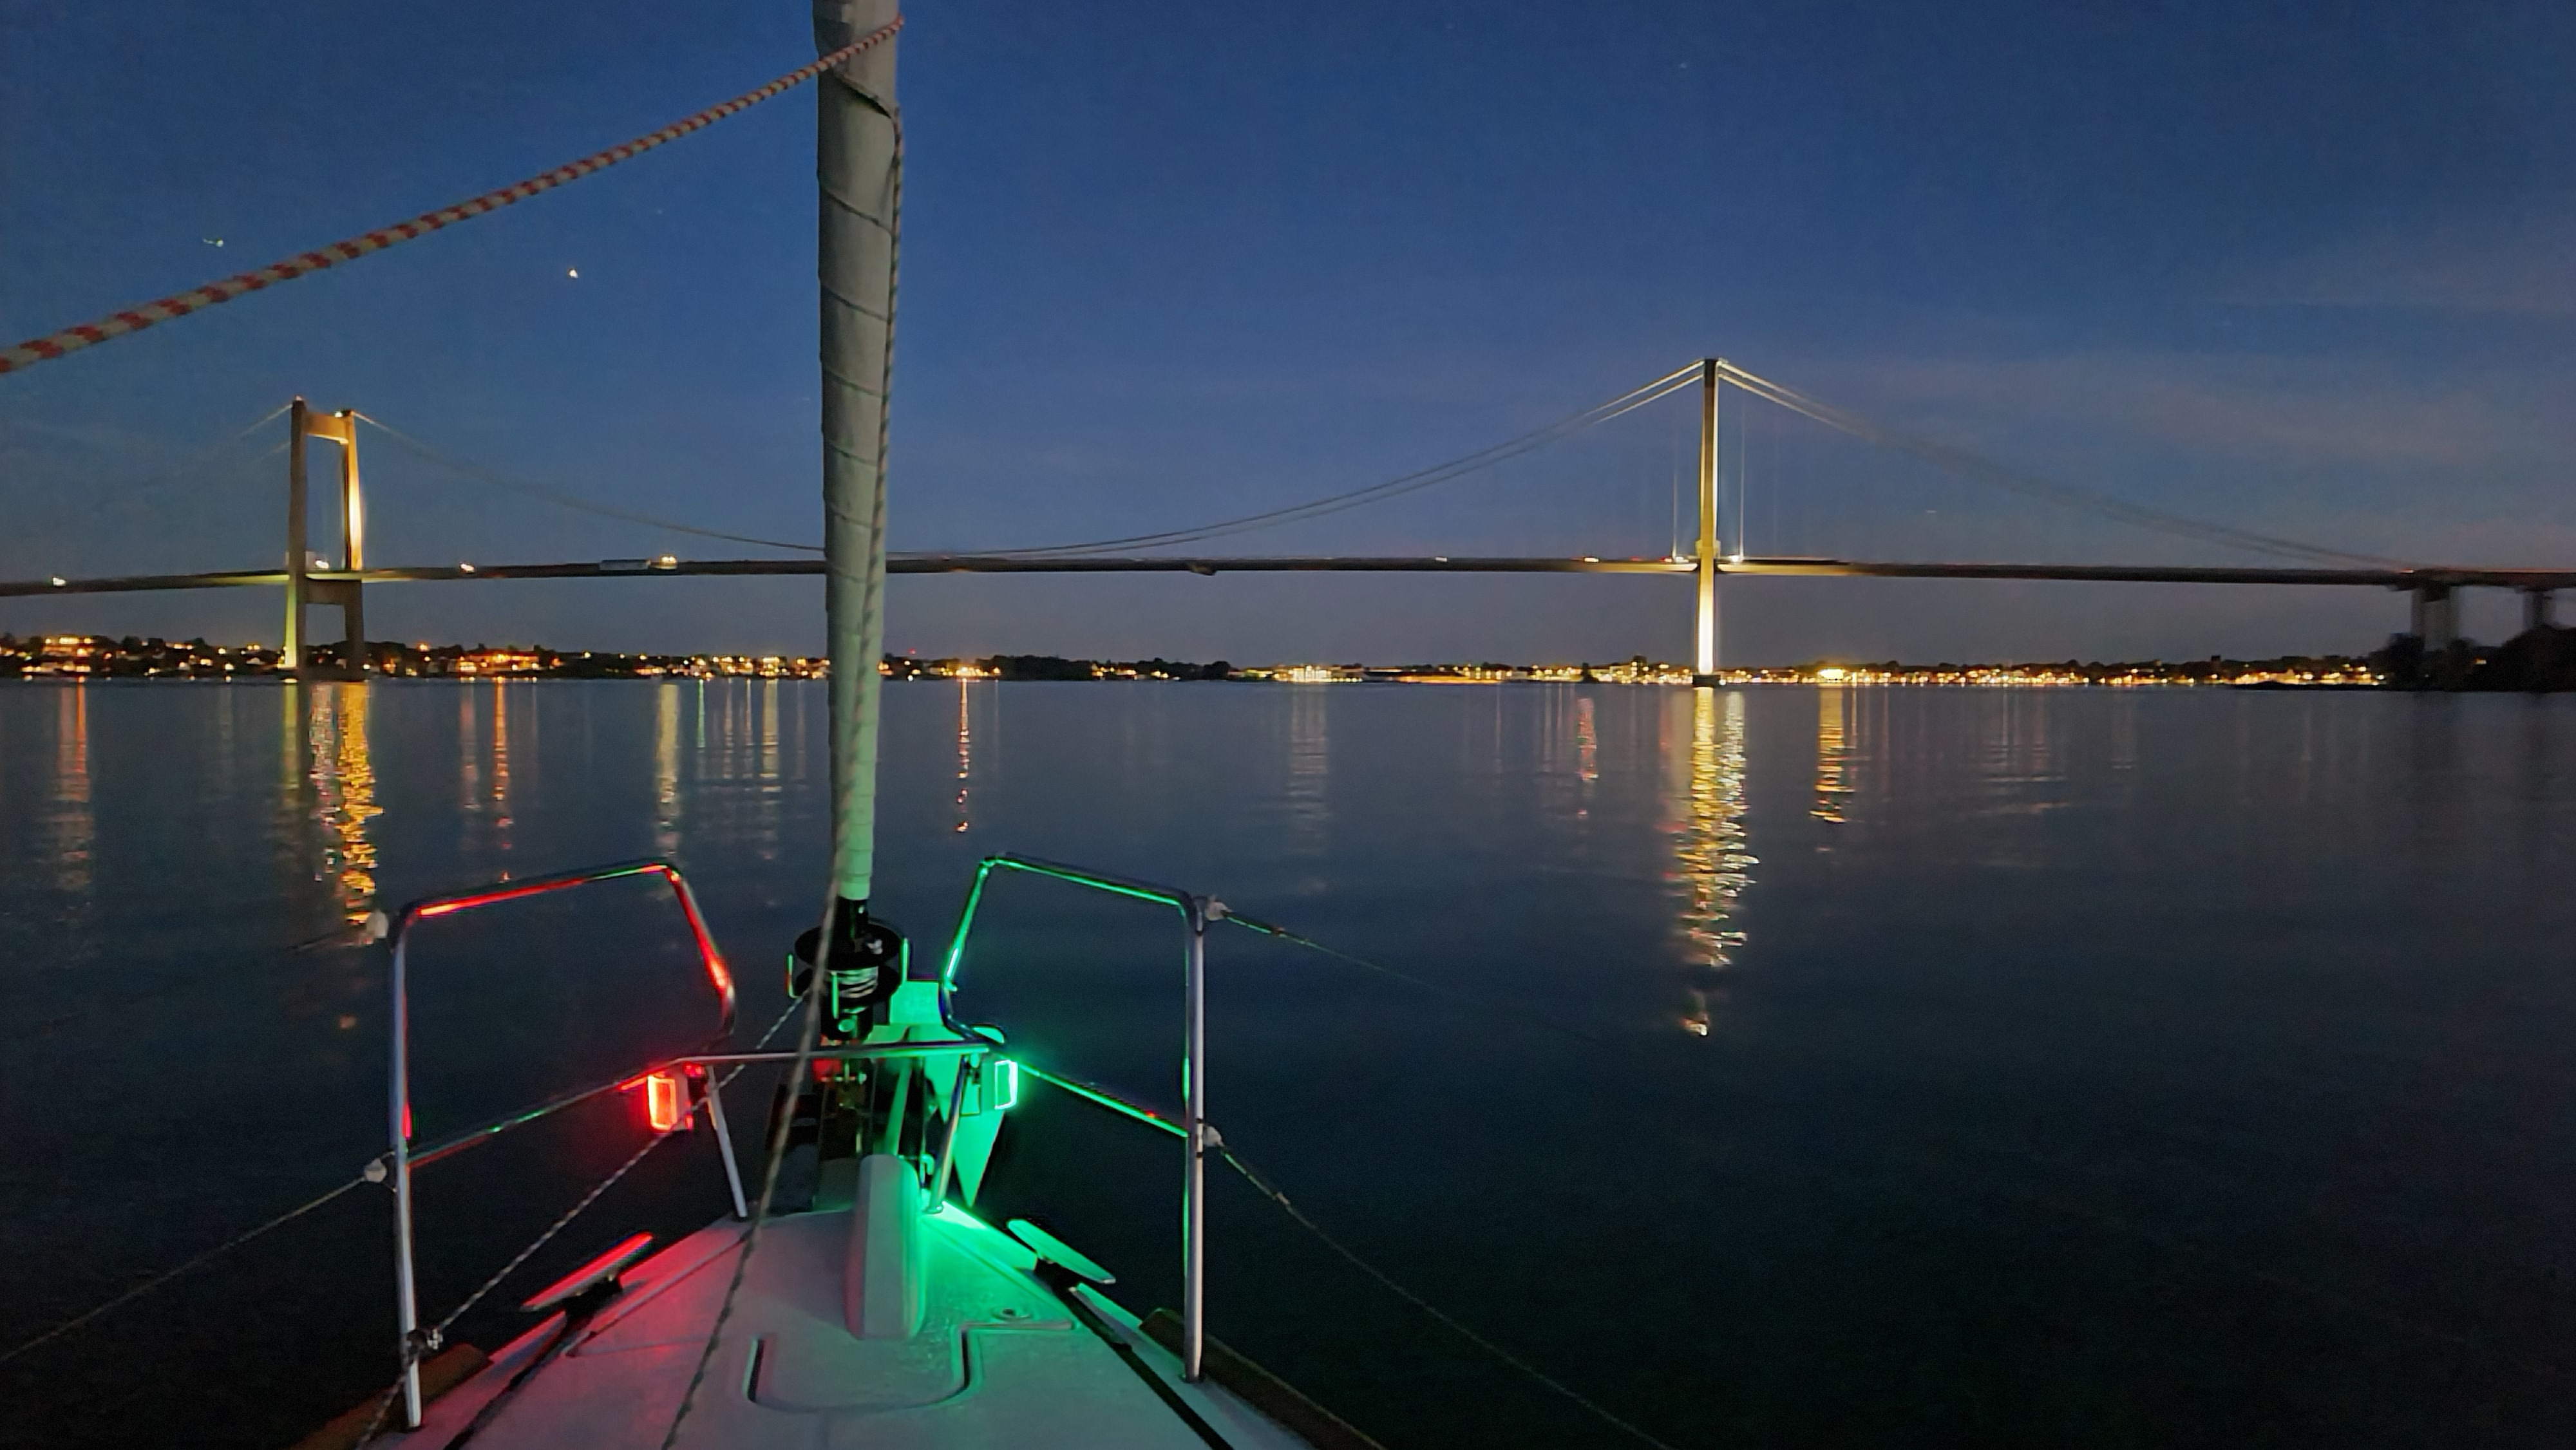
561, 499
811, 1031
813, 1024
72, 339
1985, 470
797, 1076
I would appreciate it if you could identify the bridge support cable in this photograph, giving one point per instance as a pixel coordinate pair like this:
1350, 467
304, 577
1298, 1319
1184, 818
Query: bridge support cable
1961, 463
200, 469
1423, 478
566, 500
88, 334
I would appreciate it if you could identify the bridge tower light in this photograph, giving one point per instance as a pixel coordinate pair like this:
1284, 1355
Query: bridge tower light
302, 589
1704, 666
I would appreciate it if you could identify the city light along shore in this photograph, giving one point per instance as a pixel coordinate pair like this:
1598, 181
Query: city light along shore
74, 657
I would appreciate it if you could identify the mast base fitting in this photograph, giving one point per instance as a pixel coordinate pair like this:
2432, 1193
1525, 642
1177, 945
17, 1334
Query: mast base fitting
867, 961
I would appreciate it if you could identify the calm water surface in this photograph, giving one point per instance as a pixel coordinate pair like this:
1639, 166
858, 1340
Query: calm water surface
1808, 1067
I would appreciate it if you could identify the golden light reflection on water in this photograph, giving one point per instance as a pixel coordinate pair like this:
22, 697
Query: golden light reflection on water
469, 770
483, 765
1833, 753
769, 733
1711, 865
344, 787
965, 753
72, 823
1309, 756
744, 746
1587, 742
501, 761
770, 794
666, 770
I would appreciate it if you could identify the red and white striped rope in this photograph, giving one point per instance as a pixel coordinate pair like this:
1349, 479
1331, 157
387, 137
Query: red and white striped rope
72, 339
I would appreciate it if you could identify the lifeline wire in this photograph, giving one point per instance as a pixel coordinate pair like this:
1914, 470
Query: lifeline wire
1266, 1189
561, 499
1518, 1012
385, 1404
72, 339
438, 1332
541, 1240
302, 1209
148, 1285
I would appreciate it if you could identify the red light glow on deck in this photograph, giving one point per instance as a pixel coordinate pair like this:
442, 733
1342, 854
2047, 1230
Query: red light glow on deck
718, 975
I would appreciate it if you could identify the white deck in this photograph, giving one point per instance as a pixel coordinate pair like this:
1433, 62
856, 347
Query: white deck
999, 1362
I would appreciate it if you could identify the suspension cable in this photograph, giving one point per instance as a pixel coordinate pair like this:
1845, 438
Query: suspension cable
190, 469
1960, 462
561, 499
1440, 473
72, 339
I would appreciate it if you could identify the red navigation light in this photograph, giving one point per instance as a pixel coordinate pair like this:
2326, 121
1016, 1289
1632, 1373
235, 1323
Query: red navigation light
665, 1104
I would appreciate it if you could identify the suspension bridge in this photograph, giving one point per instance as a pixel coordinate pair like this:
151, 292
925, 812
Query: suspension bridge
1721, 504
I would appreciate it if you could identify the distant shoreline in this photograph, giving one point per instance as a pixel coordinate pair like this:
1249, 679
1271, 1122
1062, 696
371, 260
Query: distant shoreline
1726, 680
78, 658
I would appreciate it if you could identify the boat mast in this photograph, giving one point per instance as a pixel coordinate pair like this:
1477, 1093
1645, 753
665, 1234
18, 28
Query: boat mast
857, 174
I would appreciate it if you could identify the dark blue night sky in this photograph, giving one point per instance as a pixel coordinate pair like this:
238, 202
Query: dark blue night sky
2298, 268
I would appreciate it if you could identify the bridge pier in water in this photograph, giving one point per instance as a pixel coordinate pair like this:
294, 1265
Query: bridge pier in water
2434, 617
305, 585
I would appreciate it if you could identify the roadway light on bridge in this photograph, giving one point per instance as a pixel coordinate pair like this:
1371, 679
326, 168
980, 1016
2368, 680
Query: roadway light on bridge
464, 568
58, 581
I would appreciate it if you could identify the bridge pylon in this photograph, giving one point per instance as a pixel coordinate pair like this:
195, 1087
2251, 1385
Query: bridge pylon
310, 581
1705, 662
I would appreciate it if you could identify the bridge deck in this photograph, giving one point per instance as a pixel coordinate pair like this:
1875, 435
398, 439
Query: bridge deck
2407, 578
